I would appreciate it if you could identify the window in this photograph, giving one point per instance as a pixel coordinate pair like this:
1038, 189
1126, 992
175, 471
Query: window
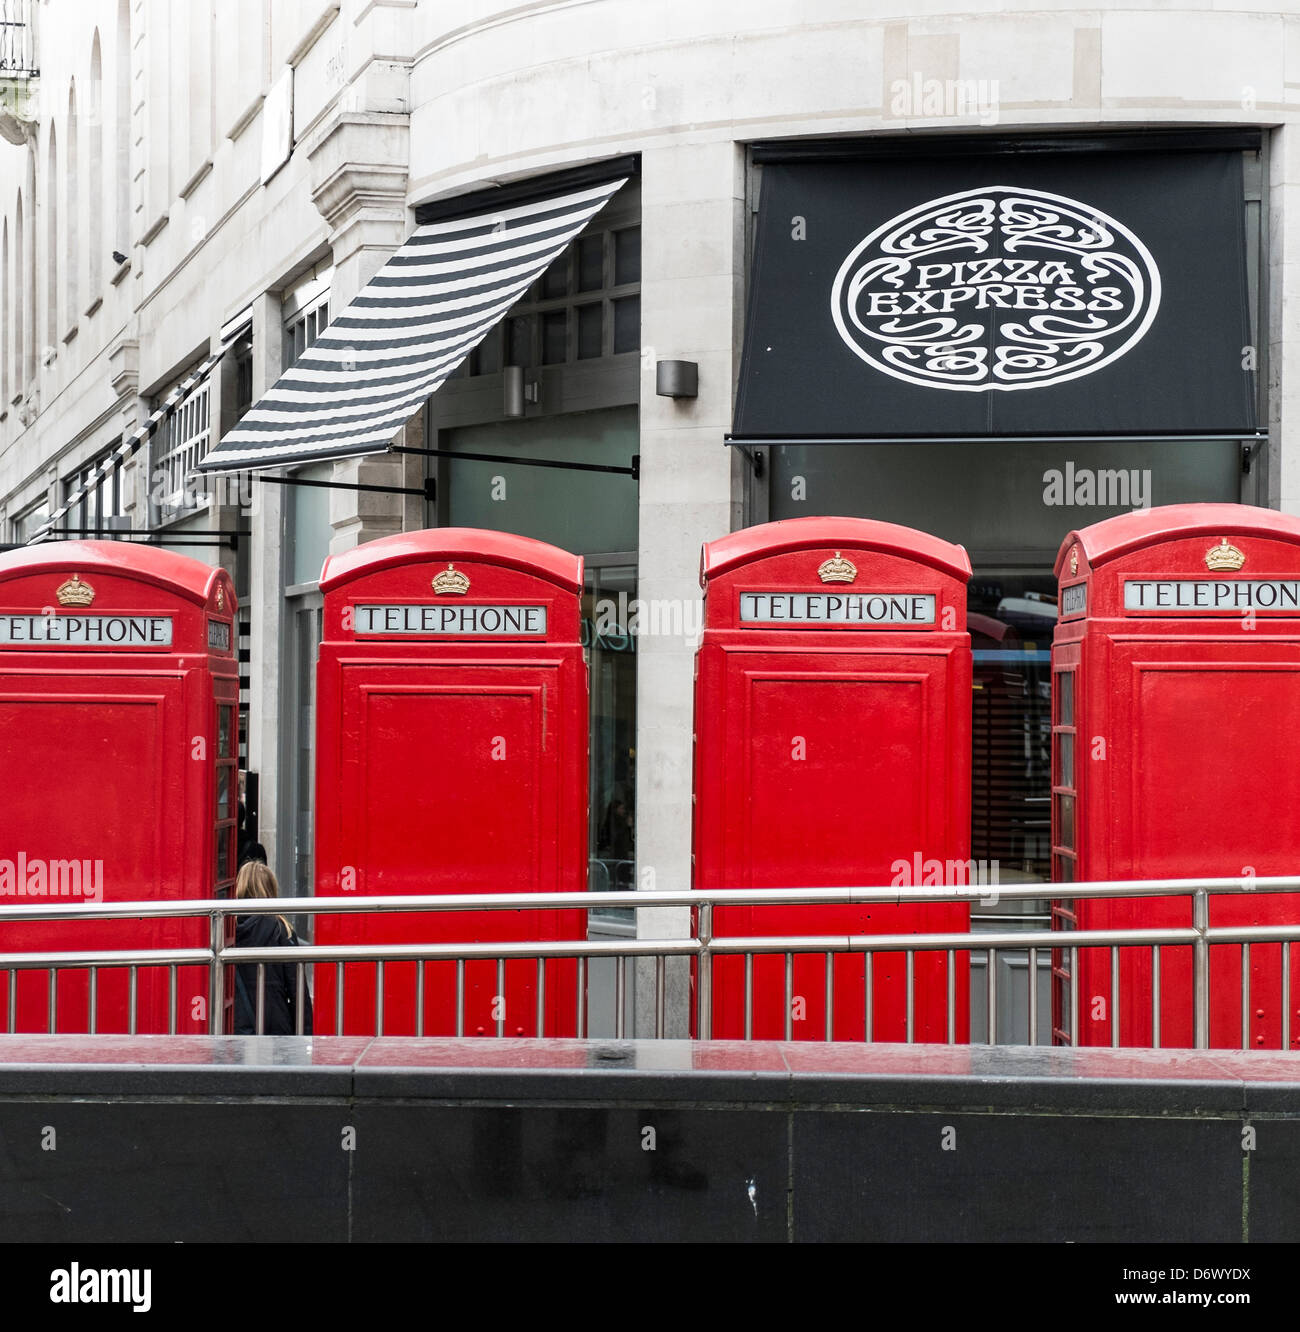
242, 357
99, 512
29, 522
586, 305
179, 446
306, 312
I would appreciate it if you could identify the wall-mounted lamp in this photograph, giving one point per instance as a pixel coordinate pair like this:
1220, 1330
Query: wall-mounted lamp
516, 392
677, 379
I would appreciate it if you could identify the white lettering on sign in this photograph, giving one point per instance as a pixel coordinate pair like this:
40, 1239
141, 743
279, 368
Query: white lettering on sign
805, 608
87, 630
999, 288
1074, 599
219, 635
1205, 594
456, 620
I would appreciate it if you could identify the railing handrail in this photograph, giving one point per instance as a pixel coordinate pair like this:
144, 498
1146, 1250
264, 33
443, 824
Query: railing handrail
1019, 940
508, 901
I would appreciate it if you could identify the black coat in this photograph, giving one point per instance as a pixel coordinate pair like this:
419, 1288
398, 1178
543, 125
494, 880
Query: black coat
279, 1016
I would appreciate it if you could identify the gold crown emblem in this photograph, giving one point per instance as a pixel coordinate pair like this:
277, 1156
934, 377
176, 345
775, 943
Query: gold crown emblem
451, 580
221, 597
75, 593
1224, 556
1074, 559
837, 570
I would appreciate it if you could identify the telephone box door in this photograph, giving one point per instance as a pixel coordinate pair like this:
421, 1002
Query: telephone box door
452, 751
832, 750
1176, 684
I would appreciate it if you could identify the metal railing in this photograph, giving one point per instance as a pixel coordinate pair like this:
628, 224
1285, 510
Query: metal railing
17, 40
703, 949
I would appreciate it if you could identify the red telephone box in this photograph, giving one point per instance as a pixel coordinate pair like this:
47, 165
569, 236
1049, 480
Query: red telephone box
1176, 703
832, 749
119, 720
452, 758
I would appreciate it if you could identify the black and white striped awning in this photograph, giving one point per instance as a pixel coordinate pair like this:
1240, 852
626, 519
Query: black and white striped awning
231, 331
407, 331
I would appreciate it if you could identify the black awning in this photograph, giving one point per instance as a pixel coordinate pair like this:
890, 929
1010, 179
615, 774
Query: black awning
1069, 294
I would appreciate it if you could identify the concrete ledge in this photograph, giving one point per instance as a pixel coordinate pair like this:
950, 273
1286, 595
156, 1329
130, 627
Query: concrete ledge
358, 1139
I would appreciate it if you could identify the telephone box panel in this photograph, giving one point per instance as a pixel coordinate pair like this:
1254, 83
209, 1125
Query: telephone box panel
1176, 697
832, 749
451, 758
119, 700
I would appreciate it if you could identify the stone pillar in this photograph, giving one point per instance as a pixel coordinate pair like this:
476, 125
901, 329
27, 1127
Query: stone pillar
1282, 322
692, 216
359, 165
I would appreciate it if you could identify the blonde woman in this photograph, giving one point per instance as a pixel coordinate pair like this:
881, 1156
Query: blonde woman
279, 1015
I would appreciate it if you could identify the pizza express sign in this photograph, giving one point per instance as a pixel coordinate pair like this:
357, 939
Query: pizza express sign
1077, 294
995, 289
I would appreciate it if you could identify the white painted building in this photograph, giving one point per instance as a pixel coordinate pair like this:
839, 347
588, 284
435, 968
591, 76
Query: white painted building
273, 153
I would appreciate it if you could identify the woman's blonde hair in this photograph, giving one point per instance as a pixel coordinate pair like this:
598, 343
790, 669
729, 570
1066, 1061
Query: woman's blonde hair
256, 880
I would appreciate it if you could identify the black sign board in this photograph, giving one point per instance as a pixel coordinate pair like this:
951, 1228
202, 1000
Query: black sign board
1085, 293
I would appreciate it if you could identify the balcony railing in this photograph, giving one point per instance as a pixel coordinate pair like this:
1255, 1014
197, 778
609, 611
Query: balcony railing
17, 40
700, 952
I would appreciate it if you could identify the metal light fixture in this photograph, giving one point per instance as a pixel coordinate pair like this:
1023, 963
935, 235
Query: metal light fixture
677, 379
516, 392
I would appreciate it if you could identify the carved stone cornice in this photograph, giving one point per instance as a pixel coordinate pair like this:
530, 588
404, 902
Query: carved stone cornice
360, 162
124, 367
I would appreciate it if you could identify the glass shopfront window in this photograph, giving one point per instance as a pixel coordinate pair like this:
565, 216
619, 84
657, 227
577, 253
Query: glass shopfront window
585, 512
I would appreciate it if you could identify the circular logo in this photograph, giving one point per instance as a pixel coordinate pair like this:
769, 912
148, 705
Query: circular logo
995, 289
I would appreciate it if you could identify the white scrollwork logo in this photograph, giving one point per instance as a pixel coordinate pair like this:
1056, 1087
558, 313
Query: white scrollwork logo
995, 289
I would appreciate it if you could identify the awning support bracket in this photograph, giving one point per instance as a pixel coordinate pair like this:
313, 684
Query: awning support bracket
634, 471
424, 492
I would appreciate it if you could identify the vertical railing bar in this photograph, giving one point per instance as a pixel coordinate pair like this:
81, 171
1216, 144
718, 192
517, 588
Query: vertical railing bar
94, 999
582, 998
1286, 995
991, 990
749, 996
52, 1002
421, 967
171, 1000
660, 989
1074, 996
133, 999
299, 999
1033, 996
1201, 970
830, 996
1155, 996
217, 974
460, 996
1245, 996
541, 997
952, 997
338, 998
911, 995
379, 997
501, 996
13, 1000
620, 996
789, 996
704, 1021
259, 1024
868, 1013
1114, 996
